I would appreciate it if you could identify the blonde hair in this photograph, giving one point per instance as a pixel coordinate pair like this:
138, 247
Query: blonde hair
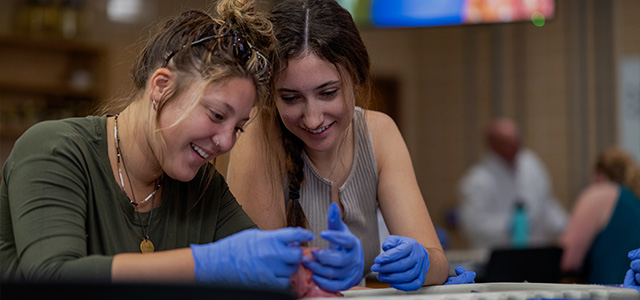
198, 45
618, 165
171, 47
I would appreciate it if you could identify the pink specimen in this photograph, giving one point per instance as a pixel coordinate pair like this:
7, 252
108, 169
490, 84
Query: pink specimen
304, 286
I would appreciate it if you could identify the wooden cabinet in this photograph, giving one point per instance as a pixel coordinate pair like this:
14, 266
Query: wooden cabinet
44, 79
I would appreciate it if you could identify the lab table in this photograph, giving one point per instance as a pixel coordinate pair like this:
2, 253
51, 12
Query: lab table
500, 291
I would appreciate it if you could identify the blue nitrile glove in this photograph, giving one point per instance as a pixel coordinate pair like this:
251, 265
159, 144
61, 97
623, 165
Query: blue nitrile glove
463, 277
251, 258
632, 278
404, 263
339, 267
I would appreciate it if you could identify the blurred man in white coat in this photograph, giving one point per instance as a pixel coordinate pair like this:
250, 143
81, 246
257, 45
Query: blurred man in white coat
509, 175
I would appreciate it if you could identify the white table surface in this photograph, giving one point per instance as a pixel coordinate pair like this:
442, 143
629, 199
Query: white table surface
500, 291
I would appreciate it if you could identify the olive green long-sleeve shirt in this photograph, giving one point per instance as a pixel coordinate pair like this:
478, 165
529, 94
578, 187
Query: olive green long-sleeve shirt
63, 216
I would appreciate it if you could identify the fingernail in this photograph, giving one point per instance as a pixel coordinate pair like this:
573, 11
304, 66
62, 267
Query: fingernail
306, 261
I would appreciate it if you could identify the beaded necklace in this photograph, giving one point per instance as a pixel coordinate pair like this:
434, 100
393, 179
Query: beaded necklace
146, 246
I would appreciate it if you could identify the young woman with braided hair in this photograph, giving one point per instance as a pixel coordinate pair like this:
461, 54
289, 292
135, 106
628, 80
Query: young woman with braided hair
315, 154
82, 197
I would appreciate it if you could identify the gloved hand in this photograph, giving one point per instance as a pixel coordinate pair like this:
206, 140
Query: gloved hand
632, 278
404, 263
251, 258
463, 277
339, 267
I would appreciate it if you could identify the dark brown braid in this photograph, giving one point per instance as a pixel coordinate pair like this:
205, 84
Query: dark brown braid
295, 175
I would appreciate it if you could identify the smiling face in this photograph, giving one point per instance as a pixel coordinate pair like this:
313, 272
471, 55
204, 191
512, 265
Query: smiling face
191, 138
312, 104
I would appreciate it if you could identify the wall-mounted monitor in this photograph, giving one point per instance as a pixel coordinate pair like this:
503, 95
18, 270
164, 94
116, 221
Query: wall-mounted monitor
424, 13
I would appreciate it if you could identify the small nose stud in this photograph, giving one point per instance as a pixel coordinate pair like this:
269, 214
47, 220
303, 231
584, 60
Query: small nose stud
217, 143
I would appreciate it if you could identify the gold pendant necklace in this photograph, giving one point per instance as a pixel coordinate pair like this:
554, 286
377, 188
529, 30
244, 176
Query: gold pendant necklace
146, 246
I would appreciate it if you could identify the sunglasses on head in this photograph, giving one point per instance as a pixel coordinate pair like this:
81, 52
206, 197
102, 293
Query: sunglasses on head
242, 51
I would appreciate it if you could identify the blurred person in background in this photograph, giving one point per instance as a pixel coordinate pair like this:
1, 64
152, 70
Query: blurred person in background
605, 221
510, 178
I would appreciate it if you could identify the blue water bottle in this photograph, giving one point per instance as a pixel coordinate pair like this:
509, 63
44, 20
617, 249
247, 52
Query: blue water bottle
520, 226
